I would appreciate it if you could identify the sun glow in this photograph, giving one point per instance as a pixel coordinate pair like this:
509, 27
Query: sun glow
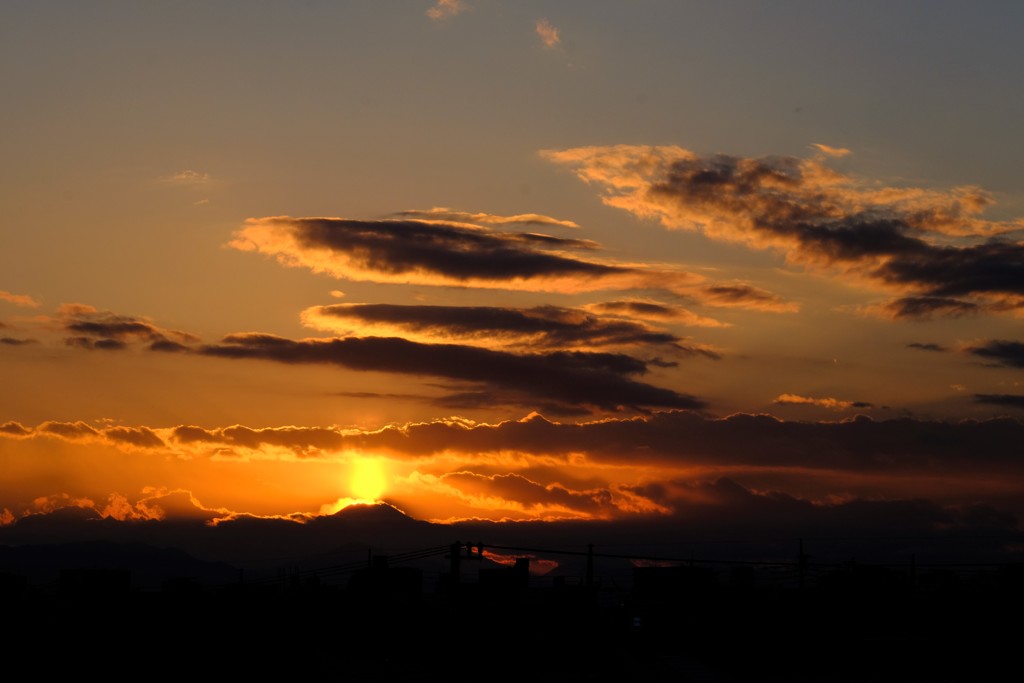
368, 478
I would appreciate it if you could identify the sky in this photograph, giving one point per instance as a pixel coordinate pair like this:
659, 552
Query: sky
647, 262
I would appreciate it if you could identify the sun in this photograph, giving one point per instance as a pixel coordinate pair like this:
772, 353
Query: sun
368, 478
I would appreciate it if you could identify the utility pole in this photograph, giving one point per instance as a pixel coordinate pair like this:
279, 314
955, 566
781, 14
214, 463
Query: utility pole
802, 565
590, 565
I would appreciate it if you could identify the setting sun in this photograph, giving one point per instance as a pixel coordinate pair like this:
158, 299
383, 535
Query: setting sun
368, 479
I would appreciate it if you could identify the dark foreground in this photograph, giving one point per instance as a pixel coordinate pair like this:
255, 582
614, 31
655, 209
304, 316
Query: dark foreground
386, 624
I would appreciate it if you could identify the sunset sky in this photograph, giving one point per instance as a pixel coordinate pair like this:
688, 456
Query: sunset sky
648, 260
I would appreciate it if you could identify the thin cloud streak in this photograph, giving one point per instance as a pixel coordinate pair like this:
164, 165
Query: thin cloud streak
999, 352
489, 326
23, 300
823, 402
187, 177
598, 380
652, 310
1007, 400
444, 214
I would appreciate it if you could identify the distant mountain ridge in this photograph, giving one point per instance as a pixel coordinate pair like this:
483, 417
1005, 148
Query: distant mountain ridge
149, 566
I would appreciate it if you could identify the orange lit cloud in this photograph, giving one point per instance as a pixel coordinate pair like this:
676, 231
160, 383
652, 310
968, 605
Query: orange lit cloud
826, 402
548, 34
446, 8
422, 252
544, 327
13, 429
445, 214
56, 501
743, 295
18, 299
837, 152
89, 328
676, 440
133, 437
545, 501
441, 253
898, 238
646, 309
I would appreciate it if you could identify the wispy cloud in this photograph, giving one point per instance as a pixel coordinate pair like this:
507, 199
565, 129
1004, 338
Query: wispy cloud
548, 34
926, 346
445, 214
743, 295
837, 152
653, 310
23, 300
925, 307
446, 8
187, 177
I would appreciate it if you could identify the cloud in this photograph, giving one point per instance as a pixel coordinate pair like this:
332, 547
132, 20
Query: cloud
826, 402
1000, 351
548, 33
306, 440
446, 8
741, 295
140, 437
14, 341
442, 253
187, 177
23, 300
920, 448
837, 152
71, 431
439, 253
543, 327
926, 346
492, 398
445, 214
90, 344
14, 429
536, 468
515, 490
132, 437
653, 310
1008, 400
920, 243
925, 307
92, 329
598, 380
